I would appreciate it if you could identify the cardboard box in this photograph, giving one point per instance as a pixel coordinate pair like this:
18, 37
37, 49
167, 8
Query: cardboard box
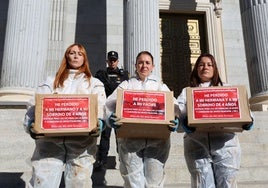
218, 108
65, 115
144, 114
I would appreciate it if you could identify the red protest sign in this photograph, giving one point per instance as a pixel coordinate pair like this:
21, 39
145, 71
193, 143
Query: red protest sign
218, 103
144, 105
65, 113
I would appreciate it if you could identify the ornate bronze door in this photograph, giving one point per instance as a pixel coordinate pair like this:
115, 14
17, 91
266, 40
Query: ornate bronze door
182, 38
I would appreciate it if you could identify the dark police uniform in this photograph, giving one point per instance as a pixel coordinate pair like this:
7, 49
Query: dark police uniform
111, 79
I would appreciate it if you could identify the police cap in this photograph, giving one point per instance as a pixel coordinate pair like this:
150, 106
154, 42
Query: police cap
112, 55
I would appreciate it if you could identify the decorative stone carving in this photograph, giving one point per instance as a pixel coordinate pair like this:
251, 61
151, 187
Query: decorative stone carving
218, 8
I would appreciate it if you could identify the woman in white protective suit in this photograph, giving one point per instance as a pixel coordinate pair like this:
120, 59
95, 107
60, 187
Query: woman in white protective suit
213, 158
141, 160
77, 153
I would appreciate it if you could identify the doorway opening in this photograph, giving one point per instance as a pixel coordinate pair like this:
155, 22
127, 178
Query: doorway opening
182, 40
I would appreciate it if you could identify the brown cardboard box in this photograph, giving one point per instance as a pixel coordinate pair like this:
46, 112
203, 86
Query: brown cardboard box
144, 114
218, 108
63, 115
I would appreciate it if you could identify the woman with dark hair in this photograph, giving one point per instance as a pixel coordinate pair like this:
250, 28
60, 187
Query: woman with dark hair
213, 158
74, 154
142, 160
197, 77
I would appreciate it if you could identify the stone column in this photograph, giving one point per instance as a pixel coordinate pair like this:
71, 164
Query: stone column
141, 32
26, 45
254, 16
61, 32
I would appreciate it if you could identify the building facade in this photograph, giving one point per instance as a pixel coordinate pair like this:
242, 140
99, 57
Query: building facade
36, 33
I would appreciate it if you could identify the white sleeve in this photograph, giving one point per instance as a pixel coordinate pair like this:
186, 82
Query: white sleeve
177, 111
164, 87
111, 100
42, 89
47, 87
98, 88
182, 103
29, 118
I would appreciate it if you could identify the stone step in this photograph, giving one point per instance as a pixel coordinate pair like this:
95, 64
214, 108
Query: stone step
114, 180
17, 147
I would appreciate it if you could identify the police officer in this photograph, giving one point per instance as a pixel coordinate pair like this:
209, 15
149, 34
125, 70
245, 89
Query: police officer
111, 78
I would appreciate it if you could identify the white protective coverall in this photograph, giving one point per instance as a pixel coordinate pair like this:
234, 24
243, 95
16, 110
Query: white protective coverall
141, 160
213, 158
76, 152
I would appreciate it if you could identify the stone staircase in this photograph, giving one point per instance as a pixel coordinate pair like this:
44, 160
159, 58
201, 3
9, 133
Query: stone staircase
17, 147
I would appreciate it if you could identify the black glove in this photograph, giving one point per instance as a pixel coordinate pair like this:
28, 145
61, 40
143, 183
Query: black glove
113, 121
249, 126
185, 126
34, 135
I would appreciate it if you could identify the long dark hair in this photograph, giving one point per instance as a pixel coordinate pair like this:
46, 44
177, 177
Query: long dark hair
195, 81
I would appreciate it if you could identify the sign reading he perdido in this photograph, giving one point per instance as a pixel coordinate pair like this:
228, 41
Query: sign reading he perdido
144, 105
61, 113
